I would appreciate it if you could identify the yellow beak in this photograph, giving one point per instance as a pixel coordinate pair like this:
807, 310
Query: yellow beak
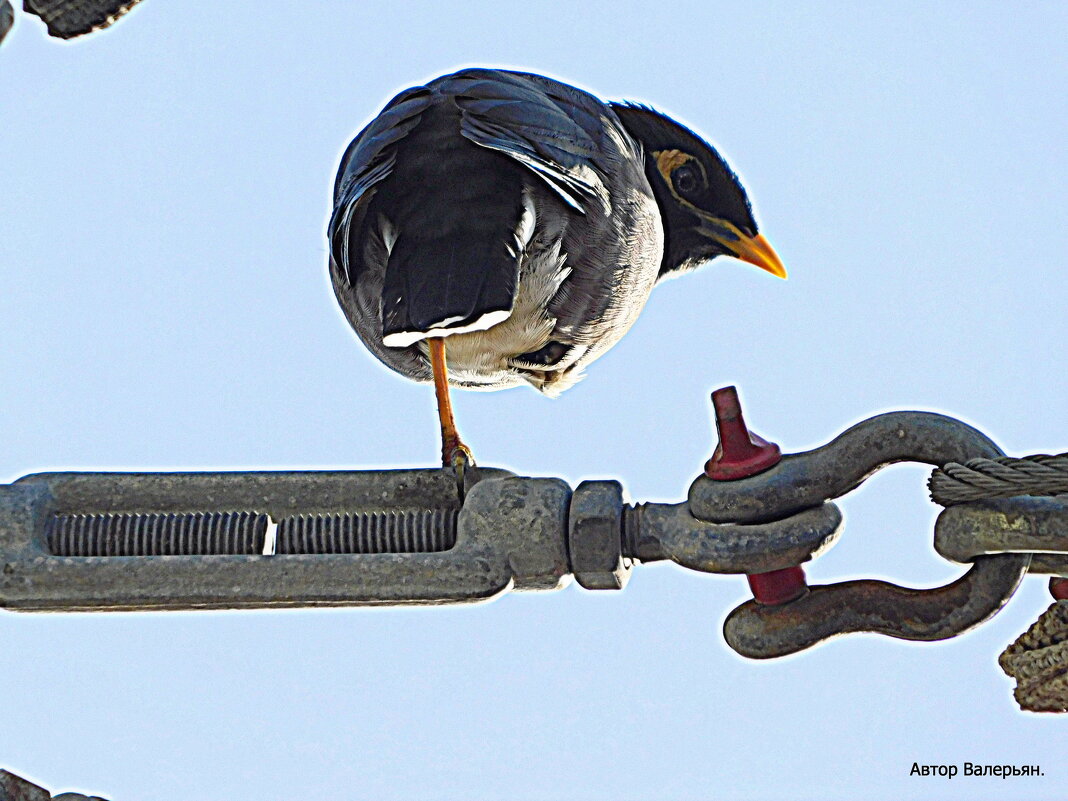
753, 249
756, 250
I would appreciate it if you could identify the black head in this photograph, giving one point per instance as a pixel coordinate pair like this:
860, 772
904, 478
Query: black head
705, 210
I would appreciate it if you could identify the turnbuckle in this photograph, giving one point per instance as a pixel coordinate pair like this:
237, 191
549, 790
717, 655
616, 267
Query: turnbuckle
181, 541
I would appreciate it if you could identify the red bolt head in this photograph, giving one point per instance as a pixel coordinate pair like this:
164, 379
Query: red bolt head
740, 453
1058, 588
778, 586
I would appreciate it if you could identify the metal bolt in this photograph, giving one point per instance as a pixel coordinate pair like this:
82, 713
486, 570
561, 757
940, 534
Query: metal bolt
778, 586
397, 531
157, 533
1058, 588
740, 453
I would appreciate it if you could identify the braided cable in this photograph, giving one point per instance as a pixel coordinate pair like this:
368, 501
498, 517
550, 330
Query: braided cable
1003, 477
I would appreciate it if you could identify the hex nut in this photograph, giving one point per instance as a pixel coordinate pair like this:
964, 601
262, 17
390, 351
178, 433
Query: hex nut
594, 537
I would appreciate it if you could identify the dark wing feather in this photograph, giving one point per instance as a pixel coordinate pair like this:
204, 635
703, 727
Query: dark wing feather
455, 208
455, 201
556, 131
368, 160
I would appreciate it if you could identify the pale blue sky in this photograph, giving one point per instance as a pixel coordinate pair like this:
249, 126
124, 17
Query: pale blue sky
165, 305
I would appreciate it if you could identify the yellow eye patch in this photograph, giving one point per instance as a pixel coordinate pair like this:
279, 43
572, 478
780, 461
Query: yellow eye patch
668, 161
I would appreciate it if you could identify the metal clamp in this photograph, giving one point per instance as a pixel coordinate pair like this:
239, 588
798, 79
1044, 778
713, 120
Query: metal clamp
114, 541
167, 541
1020, 524
807, 479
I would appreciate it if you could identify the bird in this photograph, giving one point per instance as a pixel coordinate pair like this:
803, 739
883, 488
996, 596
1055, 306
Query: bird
494, 228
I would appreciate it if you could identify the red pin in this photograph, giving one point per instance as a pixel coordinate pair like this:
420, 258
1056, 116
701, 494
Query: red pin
739, 454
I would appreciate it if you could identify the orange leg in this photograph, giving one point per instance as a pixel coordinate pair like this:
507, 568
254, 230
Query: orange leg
454, 453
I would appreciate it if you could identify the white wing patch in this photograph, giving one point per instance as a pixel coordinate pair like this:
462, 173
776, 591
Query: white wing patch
473, 356
403, 339
522, 235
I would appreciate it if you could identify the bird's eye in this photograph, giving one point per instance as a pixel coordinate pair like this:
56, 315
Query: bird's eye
686, 178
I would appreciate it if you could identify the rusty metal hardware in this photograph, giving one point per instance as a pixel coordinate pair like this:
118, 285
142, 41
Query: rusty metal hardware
1038, 660
100, 541
294, 539
1022, 525
807, 479
16, 788
1058, 588
160, 541
740, 454
800, 481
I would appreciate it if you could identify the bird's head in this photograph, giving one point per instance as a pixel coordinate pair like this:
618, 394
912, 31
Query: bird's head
705, 210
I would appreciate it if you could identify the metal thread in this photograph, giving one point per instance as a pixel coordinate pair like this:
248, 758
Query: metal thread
156, 534
417, 531
234, 533
634, 547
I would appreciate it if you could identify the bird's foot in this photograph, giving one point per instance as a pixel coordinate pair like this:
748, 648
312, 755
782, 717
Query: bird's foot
457, 455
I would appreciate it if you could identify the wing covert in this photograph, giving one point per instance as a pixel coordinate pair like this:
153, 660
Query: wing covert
558, 132
368, 160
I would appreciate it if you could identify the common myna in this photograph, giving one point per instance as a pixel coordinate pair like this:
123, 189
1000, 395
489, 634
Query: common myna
520, 223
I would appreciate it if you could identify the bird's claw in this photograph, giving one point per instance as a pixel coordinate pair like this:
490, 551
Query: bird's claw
459, 457
454, 451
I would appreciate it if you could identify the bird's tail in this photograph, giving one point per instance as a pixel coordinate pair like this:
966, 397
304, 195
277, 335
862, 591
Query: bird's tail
454, 262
